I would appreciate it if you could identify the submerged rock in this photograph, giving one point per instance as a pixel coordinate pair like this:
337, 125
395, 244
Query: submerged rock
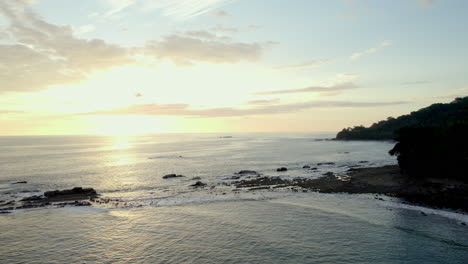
326, 163
75, 191
196, 178
329, 173
198, 184
306, 167
20, 182
169, 176
243, 172
282, 169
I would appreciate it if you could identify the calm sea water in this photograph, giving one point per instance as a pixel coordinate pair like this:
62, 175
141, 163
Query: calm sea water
166, 221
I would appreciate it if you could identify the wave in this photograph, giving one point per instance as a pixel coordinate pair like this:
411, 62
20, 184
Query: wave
429, 211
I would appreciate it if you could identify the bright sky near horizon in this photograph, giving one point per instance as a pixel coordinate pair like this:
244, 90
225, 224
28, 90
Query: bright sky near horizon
151, 66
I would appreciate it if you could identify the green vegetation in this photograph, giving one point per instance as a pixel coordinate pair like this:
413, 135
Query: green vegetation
436, 115
433, 152
431, 142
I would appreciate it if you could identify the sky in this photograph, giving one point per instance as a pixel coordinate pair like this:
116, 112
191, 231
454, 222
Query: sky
196, 66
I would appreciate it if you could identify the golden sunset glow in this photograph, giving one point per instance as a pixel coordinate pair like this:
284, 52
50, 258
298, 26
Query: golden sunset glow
107, 73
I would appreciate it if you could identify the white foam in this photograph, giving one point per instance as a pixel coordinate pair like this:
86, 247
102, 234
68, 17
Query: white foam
189, 200
429, 211
6, 186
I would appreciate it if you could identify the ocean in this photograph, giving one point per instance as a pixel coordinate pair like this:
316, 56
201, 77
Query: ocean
156, 220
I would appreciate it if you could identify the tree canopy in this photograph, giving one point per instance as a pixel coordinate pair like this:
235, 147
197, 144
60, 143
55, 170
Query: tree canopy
436, 115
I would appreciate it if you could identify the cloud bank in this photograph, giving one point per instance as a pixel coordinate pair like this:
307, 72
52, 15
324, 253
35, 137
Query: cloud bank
323, 90
185, 110
40, 54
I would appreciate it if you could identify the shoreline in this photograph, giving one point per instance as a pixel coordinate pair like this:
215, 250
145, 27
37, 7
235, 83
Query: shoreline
386, 180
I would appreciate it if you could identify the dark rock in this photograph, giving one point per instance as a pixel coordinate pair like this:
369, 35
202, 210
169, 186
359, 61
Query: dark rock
198, 184
364, 161
326, 163
282, 169
423, 213
314, 168
20, 182
463, 224
306, 167
244, 172
5, 212
74, 191
196, 178
328, 174
32, 198
235, 177
169, 176
82, 203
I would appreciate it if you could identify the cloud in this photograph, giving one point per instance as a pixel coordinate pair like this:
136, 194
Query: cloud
86, 29
307, 64
255, 27
40, 54
183, 9
117, 6
46, 54
221, 14
355, 9
426, 3
416, 83
184, 110
203, 34
323, 90
223, 29
7, 112
185, 50
371, 50
263, 102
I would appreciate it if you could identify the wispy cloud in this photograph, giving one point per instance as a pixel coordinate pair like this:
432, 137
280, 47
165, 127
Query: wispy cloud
185, 110
263, 102
306, 64
416, 83
117, 6
183, 9
323, 90
426, 3
7, 112
184, 50
221, 14
358, 55
86, 29
223, 29
204, 34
